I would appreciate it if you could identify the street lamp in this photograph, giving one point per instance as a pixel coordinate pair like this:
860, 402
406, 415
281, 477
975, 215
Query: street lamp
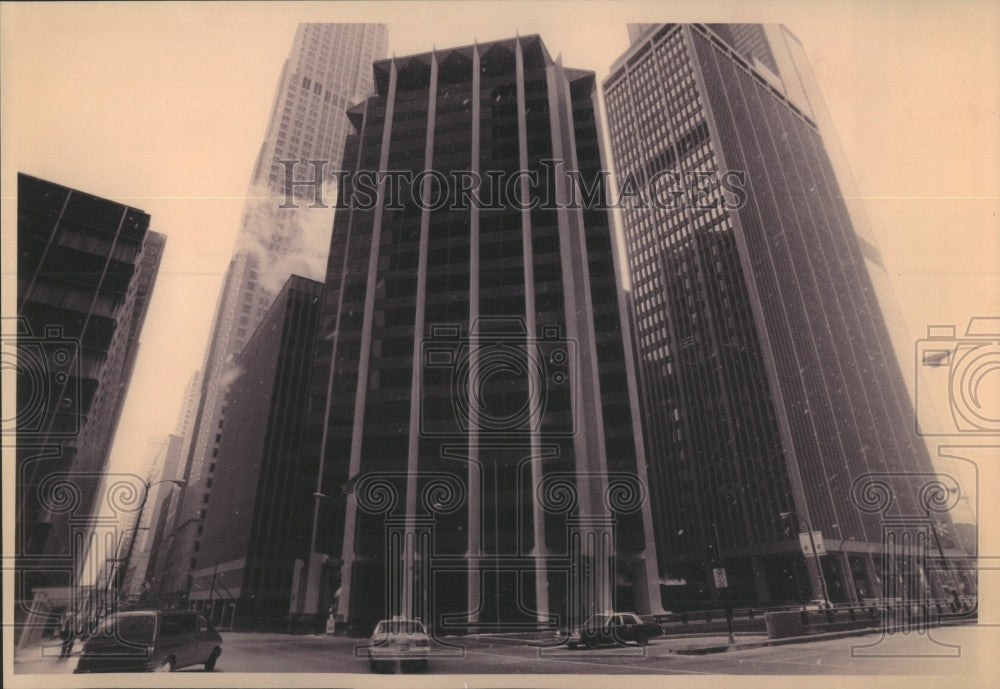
147, 486
812, 545
848, 572
317, 574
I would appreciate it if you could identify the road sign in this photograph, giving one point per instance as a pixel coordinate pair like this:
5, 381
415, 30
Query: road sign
720, 577
817, 538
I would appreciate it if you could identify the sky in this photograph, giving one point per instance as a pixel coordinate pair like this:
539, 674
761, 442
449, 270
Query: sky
163, 106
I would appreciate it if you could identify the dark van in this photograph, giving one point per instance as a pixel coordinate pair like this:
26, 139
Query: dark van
151, 641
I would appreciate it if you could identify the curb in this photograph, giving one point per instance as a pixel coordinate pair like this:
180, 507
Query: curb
747, 645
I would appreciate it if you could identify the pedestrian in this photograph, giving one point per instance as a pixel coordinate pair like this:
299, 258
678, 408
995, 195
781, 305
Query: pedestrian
68, 635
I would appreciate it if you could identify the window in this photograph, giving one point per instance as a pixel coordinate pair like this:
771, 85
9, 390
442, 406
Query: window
170, 625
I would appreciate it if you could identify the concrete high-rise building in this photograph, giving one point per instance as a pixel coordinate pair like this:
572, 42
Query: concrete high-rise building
472, 404
260, 518
86, 270
328, 69
772, 397
163, 466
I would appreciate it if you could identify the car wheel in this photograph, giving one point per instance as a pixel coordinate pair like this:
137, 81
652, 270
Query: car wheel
572, 645
210, 663
166, 666
642, 638
592, 642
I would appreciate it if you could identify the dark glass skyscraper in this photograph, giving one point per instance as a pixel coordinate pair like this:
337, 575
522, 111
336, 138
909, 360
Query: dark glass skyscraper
86, 268
260, 518
769, 380
476, 429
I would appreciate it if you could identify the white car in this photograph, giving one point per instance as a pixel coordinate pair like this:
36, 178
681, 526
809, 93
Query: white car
399, 640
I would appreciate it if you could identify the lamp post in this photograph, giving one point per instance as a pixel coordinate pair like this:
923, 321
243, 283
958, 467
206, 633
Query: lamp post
314, 580
812, 545
172, 536
147, 486
724, 589
848, 573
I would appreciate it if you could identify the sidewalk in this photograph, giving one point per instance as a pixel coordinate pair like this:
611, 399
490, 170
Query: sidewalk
688, 644
44, 659
720, 644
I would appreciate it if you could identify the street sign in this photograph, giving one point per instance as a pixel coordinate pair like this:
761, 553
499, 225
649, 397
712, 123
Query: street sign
720, 577
817, 538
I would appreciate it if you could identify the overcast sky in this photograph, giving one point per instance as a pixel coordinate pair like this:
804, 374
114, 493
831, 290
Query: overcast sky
163, 107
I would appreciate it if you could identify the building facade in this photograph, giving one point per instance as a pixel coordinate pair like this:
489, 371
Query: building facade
138, 579
328, 68
472, 398
260, 519
771, 391
86, 270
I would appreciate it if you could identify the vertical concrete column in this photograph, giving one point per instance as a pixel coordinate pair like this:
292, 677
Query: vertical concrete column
539, 551
413, 450
474, 502
591, 549
354, 463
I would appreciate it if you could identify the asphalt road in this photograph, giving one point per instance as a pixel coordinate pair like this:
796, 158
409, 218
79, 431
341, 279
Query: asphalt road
909, 654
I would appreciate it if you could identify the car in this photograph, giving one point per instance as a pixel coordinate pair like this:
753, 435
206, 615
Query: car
612, 628
151, 641
399, 640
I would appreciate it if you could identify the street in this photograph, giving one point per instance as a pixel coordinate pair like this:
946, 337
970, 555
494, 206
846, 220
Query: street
908, 654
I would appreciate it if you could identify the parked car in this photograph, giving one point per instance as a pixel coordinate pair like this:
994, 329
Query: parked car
399, 640
151, 641
615, 628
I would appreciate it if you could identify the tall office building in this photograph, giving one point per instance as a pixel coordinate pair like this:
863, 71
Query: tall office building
134, 573
138, 579
473, 401
260, 519
86, 270
167, 504
328, 68
770, 385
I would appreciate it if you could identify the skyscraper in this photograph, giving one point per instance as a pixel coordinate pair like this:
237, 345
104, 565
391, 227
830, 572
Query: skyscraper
86, 269
260, 519
328, 68
472, 405
771, 392
162, 468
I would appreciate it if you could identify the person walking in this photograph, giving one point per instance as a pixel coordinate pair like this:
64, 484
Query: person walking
68, 634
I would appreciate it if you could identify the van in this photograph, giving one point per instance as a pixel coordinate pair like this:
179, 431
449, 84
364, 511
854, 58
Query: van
151, 641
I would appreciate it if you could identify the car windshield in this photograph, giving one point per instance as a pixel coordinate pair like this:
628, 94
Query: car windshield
399, 627
135, 628
598, 621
